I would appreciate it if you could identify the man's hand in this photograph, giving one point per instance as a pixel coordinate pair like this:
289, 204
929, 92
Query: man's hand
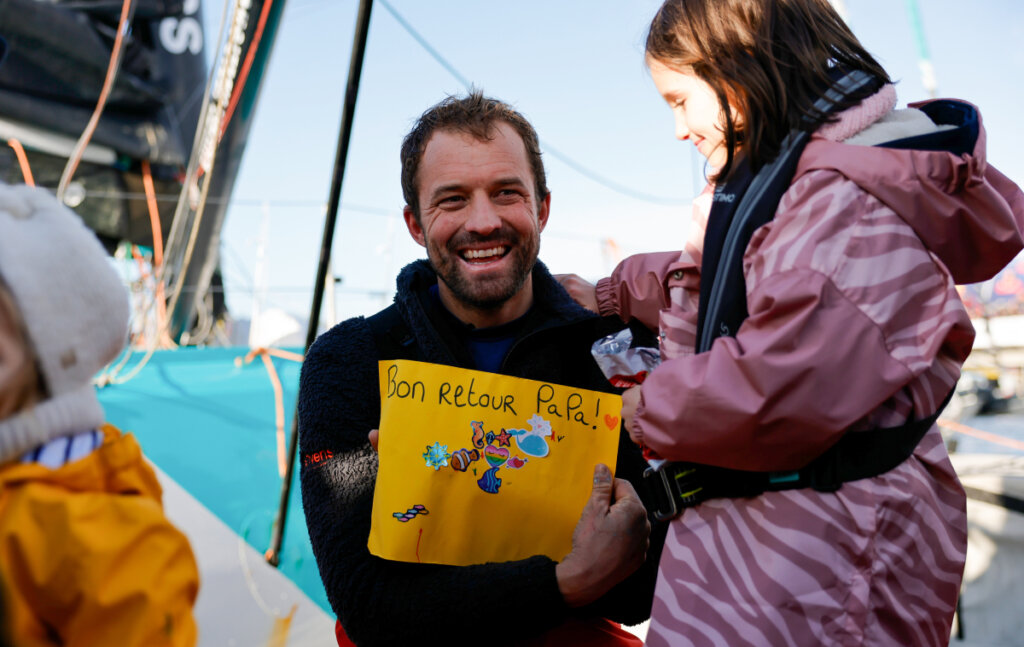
582, 291
609, 543
372, 437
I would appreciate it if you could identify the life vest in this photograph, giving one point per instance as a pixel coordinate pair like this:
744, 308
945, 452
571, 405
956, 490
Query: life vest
742, 205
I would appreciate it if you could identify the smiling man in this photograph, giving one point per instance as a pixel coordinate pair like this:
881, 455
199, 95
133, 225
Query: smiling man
480, 222
477, 200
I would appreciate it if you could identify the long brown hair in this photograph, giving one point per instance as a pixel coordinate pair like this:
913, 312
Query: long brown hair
770, 59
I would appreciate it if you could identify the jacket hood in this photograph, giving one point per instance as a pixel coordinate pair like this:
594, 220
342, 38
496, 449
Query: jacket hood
965, 212
118, 466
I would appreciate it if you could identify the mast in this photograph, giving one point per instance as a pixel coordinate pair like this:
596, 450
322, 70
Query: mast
347, 116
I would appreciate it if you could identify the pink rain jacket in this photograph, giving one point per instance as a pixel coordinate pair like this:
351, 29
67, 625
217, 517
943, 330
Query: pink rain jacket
854, 323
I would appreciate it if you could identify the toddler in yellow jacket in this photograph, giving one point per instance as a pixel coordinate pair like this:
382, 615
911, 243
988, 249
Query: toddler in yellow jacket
87, 556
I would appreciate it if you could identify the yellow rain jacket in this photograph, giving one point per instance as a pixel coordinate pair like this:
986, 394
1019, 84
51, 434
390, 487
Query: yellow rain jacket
87, 556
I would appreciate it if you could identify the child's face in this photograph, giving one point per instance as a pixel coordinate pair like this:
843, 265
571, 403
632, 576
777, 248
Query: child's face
19, 380
696, 110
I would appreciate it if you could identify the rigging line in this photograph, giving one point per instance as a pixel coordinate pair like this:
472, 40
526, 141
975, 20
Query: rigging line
243, 74
181, 213
291, 289
113, 369
142, 313
250, 581
175, 294
158, 252
554, 152
425, 45
191, 243
127, 11
265, 354
960, 428
154, 214
247, 202
195, 95
240, 267
203, 158
19, 152
614, 186
114, 376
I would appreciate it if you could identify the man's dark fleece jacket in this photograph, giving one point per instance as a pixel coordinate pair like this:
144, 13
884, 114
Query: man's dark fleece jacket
382, 602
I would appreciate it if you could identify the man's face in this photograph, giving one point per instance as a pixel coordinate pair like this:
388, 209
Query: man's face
480, 220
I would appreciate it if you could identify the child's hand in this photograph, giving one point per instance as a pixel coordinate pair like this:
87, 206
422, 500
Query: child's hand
630, 402
582, 291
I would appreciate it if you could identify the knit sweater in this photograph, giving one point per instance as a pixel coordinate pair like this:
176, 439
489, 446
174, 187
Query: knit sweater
392, 603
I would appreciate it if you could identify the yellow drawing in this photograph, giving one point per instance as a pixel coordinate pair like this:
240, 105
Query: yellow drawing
503, 464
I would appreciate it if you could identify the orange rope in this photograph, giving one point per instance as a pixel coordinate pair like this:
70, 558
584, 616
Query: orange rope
282, 466
154, 214
158, 256
19, 152
275, 381
243, 73
284, 354
108, 82
983, 435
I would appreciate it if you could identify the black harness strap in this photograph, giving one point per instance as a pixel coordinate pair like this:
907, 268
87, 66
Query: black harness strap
743, 205
857, 455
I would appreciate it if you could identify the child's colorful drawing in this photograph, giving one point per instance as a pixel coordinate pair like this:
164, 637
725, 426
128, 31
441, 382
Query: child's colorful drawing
462, 459
478, 434
437, 456
410, 513
547, 437
495, 455
490, 482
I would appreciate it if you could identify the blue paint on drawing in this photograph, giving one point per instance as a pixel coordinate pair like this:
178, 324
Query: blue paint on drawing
489, 482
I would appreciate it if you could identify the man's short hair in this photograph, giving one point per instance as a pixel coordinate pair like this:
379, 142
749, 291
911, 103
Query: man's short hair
475, 115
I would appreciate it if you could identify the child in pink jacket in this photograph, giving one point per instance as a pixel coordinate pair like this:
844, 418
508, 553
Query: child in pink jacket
810, 333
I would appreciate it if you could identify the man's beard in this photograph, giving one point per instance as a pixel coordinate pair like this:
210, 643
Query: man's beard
488, 293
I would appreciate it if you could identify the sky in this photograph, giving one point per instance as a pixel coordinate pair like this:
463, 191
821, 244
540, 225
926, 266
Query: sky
575, 69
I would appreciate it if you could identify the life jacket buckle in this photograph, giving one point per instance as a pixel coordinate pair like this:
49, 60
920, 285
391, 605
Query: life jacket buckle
673, 487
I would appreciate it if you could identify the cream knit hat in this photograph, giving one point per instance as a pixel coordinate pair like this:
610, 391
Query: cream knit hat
75, 310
